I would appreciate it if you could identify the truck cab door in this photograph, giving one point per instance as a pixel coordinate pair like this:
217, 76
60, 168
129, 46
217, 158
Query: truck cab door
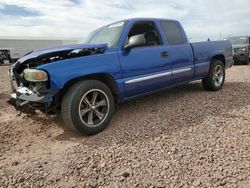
181, 52
145, 68
182, 63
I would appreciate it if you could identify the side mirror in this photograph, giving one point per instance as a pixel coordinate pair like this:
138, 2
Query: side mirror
135, 41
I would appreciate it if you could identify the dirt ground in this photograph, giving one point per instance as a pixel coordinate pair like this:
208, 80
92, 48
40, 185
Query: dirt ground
181, 137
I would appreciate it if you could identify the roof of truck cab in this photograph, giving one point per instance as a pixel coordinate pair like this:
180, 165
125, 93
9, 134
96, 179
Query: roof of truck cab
142, 19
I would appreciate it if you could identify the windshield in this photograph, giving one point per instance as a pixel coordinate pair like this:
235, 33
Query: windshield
109, 35
238, 40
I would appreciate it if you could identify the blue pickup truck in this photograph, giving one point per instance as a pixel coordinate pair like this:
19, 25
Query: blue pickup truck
118, 62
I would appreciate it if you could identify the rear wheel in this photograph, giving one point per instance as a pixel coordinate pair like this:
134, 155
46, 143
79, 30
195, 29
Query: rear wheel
88, 107
216, 76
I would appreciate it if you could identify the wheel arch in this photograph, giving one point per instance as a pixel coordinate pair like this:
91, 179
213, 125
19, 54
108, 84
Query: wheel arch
219, 57
102, 77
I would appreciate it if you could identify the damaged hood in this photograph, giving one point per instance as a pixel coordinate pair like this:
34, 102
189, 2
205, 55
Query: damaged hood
60, 49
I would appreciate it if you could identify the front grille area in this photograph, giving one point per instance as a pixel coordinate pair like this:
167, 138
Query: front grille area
236, 50
239, 50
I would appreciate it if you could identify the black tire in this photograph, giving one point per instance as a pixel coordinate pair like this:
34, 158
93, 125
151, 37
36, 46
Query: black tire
247, 61
213, 82
77, 97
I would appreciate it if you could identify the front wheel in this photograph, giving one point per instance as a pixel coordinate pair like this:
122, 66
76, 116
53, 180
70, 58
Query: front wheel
88, 107
216, 76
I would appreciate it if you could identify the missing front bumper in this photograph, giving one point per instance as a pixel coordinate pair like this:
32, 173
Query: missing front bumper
32, 97
25, 100
25, 94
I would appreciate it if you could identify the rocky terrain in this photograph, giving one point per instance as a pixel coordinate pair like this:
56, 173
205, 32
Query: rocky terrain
181, 137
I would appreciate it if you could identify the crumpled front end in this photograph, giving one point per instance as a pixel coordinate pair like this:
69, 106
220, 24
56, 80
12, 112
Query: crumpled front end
29, 96
31, 88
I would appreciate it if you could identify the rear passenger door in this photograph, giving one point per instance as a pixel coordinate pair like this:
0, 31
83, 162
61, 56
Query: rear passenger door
180, 51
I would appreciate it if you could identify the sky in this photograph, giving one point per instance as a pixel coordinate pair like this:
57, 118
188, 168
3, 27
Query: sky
202, 19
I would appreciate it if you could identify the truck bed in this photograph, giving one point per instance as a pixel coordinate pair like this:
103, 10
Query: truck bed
204, 51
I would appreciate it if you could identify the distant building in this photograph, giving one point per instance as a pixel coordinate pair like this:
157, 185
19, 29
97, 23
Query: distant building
20, 46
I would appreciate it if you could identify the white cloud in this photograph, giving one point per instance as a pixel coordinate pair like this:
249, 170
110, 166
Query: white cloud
201, 19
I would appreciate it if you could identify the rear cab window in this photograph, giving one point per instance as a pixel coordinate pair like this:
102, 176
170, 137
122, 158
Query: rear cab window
173, 33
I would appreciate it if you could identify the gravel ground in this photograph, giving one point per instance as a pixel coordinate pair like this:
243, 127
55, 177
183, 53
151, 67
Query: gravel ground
182, 137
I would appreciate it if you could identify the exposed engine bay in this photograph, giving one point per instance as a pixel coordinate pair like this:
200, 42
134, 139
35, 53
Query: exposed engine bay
18, 68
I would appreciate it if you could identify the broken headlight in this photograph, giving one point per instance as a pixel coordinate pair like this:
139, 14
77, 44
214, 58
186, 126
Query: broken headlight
34, 75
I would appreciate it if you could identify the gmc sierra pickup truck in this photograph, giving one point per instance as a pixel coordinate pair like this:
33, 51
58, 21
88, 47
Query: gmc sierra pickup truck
118, 62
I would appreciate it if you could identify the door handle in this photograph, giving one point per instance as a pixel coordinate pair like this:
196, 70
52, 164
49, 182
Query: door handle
164, 54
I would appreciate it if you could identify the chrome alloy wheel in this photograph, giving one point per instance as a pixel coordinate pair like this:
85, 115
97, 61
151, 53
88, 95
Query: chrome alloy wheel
94, 108
218, 75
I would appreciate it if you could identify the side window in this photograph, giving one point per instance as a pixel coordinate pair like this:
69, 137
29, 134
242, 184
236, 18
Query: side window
149, 30
172, 33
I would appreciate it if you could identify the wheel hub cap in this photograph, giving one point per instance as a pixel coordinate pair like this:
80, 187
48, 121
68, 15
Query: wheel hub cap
218, 75
93, 108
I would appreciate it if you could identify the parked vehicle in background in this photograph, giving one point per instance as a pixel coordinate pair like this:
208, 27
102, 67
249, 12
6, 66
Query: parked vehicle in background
241, 46
119, 62
5, 57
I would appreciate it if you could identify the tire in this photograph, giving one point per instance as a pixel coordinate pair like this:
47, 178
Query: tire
216, 76
247, 61
88, 107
